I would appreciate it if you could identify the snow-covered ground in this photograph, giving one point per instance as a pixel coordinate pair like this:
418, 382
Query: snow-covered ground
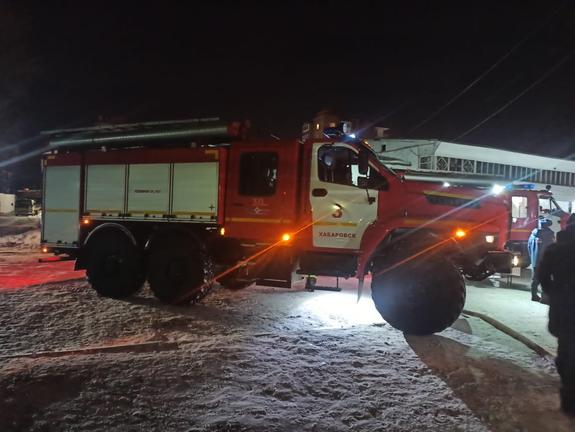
264, 359
515, 309
258, 359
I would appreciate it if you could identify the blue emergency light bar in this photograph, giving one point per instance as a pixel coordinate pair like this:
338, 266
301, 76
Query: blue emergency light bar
524, 186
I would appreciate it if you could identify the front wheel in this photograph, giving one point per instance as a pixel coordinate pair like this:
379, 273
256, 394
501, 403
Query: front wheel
421, 297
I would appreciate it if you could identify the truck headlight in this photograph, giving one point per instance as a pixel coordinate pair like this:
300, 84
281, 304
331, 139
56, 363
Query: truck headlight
490, 238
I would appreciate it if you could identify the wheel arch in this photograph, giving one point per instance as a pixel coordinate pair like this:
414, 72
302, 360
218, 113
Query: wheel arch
105, 227
162, 233
376, 246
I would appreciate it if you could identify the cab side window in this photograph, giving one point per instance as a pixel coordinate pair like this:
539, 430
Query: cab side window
258, 173
340, 165
518, 207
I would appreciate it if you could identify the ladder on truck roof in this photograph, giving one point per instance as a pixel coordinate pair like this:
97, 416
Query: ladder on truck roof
200, 130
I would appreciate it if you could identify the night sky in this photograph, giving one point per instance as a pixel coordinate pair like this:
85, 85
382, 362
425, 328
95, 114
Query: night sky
397, 62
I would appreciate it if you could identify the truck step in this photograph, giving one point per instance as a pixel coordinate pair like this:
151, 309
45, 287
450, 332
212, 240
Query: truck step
311, 285
323, 288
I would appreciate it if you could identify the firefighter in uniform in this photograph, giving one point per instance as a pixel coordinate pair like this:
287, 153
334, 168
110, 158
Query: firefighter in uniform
557, 275
540, 238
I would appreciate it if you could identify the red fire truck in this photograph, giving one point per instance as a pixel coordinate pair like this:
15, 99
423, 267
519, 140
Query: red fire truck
526, 205
180, 204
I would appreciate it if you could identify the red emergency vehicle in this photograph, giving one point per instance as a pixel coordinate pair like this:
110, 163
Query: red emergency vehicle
181, 203
526, 205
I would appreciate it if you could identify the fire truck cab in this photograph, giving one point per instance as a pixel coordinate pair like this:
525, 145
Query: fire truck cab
182, 204
527, 206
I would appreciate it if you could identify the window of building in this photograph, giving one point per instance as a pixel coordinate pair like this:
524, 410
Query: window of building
454, 164
442, 163
518, 207
425, 162
258, 173
468, 166
496, 169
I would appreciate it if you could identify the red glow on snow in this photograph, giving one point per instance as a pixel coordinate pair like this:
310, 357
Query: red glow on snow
16, 275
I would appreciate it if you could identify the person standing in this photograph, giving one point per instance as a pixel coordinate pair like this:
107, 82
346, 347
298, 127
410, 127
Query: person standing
539, 240
556, 272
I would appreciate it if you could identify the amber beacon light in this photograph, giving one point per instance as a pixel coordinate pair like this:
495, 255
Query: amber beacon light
459, 233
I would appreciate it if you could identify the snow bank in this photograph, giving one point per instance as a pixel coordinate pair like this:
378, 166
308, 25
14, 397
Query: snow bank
20, 232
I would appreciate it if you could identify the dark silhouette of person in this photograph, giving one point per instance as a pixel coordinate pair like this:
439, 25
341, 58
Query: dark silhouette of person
556, 271
539, 240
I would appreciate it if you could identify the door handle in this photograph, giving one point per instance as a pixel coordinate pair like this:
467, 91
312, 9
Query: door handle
319, 192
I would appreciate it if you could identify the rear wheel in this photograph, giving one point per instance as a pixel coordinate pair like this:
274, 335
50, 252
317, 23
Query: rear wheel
178, 272
421, 297
114, 264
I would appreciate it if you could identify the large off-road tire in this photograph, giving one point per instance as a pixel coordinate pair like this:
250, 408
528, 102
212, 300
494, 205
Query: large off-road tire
421, 297
179, 271
114, 265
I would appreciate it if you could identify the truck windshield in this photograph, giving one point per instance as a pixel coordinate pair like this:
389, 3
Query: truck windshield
548, 205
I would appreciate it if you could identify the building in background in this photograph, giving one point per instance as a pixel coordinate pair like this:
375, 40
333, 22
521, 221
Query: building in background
500, 166
6, 203
325, 119
460, 160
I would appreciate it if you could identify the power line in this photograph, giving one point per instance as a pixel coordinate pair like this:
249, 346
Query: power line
487, 71
533, 84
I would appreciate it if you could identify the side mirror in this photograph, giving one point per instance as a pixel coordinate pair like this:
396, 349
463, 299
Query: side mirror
363, 162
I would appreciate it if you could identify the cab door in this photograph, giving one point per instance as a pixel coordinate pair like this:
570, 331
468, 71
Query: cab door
342, 207
261, 191
524, 212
